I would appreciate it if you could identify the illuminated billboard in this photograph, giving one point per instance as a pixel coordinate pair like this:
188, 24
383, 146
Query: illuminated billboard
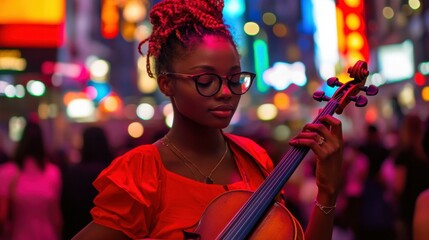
396, 61
29, 23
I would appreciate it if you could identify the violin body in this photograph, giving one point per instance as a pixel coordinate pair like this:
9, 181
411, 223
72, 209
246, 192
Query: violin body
278, 222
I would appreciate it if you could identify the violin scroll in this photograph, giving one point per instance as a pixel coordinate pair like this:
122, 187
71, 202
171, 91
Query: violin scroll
348, 92
359, 71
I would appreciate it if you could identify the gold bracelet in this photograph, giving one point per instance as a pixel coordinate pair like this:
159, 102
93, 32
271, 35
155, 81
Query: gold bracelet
325, 209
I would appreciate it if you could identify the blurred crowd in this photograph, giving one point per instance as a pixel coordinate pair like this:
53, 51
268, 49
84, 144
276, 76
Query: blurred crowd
48, 196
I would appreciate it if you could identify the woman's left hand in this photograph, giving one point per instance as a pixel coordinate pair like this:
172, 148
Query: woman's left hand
326, 141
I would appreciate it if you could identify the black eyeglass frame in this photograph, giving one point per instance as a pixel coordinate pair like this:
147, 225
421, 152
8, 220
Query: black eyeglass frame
220, 78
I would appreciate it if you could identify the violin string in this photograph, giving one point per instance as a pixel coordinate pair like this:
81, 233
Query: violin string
296, 152
330, 108
249, 212
239, 228
247, 215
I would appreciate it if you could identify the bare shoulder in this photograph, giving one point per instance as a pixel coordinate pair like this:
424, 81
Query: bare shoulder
423, 198
96, 231
421, 217
421, 210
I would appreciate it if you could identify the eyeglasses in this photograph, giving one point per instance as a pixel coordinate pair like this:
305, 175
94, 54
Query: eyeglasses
208, 84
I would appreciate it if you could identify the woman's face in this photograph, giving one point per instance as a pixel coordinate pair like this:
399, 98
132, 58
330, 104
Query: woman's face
213, 55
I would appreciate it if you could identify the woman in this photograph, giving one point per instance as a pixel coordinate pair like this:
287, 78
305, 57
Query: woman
30, 189
159, 190
421, 217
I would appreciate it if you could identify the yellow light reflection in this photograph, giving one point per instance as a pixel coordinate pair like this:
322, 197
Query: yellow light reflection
167, 109
340, 30
135, 129
134, 11
16, 125
282, 133
69, 96
355, 41
99, 70
388, 12
267, 112
354, 56
280, 30
169, 120
387, 110
414, 4
43, 110
12, 60
251, 28
25, 11
145, 83
128, 30
343, 77
111, 103
352, 3
312, 86
269, 18
425, 94
281, 101
406, 97
353, 21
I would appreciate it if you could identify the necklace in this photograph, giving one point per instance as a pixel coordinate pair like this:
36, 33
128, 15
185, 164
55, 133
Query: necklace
207, 178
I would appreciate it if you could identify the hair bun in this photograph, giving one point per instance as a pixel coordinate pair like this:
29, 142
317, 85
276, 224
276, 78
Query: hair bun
182, 12
170, 16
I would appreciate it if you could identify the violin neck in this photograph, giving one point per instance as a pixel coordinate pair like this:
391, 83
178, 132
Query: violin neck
247, 218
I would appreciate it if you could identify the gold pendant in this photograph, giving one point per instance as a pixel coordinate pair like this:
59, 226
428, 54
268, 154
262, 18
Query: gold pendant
209, 180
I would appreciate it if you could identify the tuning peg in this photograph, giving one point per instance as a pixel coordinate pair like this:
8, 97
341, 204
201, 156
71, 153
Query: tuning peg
320, 96
360, 100
333, 82
371, 90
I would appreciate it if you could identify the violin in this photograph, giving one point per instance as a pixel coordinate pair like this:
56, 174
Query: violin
243, 214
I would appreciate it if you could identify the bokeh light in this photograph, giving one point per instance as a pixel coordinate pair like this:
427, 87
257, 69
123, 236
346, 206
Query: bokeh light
282, 133
145, 111
36, 87
425, 94
269, 18
353, 21
135, 129
251, 28
280, 30
266, 112
281, 100
388, 12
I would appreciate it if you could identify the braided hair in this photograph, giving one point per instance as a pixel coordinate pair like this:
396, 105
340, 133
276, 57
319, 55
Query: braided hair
176, 23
